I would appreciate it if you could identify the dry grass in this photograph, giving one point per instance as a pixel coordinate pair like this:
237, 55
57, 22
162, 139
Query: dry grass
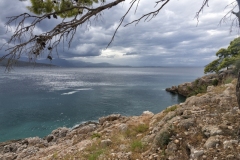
219, 89
170, 109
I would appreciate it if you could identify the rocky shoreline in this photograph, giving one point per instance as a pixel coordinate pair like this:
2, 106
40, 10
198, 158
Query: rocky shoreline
204, 127
200, 84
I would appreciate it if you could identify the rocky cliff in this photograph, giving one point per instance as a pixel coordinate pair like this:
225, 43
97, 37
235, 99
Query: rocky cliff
204, 127
200, 84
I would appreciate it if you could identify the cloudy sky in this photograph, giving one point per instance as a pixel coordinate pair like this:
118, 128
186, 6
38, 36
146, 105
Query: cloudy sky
173, 38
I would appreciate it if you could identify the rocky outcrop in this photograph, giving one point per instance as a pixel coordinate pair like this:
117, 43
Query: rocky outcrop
204, 127
200, 85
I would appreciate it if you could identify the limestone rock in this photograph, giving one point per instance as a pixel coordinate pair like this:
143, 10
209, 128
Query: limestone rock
210, 130
229, 144
86, 129
173, 89
210, 88
32, 141
8, 156
49, 138
211, 142
60, 132
187, 123
196, 154
27, 152
10, 148
171, 147
105, 143
112, 117
123, 127
147, 113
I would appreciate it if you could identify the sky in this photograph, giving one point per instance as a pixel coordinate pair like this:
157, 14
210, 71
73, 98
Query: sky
173, 38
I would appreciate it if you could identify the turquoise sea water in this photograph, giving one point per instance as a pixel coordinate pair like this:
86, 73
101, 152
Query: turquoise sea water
35, 101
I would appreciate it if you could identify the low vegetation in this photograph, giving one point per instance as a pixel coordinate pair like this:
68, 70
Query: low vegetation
163, 139
170, 109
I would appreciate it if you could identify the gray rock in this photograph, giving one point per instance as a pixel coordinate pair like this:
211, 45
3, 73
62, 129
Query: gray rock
60, 132
105, 143
173, 89
230, 157
171, 147
147, 113
187, 123
32, 141
169, 116
21, 148
10, 148
211, 142
8, 156
87, 129
210, 88
49, 138
229, 144
234, 110
27, 152
195, 154
183, 89
122, 147
112, 117
211, 130
123, 127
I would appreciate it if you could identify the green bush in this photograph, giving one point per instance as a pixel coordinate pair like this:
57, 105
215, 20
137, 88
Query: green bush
196, 82
228, 80
163, 139
197, 90
95, 155
137, 146
96, 135
215, 82
169, 109
141, 128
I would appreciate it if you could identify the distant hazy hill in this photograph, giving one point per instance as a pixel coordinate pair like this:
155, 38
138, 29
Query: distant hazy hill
59, 62
20, 63
68, 63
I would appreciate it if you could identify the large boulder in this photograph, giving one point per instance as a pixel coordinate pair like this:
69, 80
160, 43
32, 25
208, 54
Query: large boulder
111, 117
211, 142
60, 132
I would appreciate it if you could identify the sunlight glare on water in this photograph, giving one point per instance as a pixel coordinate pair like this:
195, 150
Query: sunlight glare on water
33, 102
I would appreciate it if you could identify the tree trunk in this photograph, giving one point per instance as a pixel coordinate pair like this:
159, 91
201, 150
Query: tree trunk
238, 89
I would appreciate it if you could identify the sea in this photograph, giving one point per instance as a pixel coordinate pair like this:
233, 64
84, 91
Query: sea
34, 101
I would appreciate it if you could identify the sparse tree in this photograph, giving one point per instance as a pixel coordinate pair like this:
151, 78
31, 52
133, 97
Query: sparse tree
24, 41
226, 57
212, 67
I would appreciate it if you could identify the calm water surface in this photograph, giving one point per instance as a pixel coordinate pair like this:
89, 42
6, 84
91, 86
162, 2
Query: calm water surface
33, 102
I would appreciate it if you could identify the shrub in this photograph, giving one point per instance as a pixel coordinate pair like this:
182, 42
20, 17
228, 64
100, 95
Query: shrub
196, 82
133, 131
215, 82
169, 109
95, 155
163, 139
137, 146
228, 80
197, 90
141, 128
96, 135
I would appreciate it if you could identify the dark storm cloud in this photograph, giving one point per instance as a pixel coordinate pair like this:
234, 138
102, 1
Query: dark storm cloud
171, 38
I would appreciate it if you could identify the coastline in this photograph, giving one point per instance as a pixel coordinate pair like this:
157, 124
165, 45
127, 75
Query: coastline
205, 126
200, 85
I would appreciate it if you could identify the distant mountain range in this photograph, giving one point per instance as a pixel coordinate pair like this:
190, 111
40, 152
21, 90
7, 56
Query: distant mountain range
21, 63
58, 62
